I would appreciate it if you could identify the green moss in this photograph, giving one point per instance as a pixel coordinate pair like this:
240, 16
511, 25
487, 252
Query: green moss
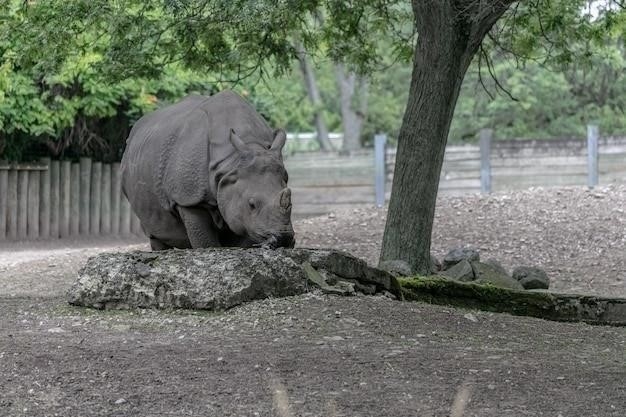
551, 306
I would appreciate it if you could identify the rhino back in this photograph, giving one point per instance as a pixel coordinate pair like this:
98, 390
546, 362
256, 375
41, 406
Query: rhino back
174, 153
225, 111
148, 156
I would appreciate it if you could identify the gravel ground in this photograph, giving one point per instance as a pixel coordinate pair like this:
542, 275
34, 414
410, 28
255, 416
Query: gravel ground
577, 235
316, 355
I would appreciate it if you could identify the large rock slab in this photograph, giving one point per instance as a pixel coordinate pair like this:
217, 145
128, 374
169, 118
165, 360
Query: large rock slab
220, 278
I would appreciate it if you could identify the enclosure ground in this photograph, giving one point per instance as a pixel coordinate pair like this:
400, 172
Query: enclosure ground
331, 356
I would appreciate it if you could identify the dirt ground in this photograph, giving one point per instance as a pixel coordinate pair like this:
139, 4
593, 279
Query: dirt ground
328, 356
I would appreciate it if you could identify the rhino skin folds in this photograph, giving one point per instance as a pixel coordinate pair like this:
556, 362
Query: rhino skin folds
207, 172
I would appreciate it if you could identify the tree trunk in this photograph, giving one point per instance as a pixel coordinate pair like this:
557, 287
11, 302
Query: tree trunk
353, 95
449, 36
314, 96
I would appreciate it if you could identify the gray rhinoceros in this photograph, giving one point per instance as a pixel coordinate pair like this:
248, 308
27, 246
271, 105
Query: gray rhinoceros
208, 171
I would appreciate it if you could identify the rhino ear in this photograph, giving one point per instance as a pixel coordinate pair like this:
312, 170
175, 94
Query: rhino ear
237, 142
280, 137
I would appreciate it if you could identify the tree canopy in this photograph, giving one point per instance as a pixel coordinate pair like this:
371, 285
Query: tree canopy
71, 71
64, 62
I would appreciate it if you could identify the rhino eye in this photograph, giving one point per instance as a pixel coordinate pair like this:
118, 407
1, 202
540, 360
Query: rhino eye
252, 204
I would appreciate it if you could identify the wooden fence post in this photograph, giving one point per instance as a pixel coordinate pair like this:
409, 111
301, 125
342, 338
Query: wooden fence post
22, 204
75, 208
105, 200
64, 210
55, 198
33, 203
593, 134
379, 167
85, 194
44, 200
486, 136
4, 203
94, 200
115, 198
12, 206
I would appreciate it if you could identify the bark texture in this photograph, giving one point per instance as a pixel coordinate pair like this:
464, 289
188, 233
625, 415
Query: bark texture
450, 33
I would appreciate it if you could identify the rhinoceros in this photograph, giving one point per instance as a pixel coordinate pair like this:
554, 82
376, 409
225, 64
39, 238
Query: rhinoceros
206, 172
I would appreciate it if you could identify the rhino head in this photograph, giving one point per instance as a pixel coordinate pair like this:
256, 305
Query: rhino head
253, 198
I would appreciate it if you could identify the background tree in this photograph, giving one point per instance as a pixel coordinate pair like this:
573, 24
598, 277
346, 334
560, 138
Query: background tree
353, 94
310, 81
239, 39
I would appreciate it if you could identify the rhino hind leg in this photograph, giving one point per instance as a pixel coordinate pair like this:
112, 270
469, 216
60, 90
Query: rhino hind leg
200, 228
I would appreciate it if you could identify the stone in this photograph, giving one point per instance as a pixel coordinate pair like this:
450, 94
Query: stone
531, 277
461, 272
329, 287
497, 265
435, 265
488, 274
396, 267
220, 278
344, 265
458, 254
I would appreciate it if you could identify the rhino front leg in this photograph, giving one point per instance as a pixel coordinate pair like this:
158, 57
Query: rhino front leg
200, 228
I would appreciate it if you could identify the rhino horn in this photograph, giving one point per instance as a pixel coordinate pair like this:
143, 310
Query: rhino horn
279, 140
237, 142
284, 199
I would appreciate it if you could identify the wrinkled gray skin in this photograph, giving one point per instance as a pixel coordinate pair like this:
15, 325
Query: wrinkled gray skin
208, 172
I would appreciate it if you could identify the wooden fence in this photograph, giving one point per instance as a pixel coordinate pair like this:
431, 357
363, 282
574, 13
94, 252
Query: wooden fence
520, 164
61, 199
323, 183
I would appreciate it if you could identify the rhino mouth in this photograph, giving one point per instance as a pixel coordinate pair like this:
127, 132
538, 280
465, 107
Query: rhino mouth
275, 242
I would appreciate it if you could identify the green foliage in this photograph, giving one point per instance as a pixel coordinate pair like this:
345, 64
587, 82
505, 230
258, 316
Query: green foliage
66, 104
75, 75
549, 99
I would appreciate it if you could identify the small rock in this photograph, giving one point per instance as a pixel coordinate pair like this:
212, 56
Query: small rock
142, 269
497, 265
471, 317
389, 295
396, 267
531, 277
435, 265
461, 272
120, 401
487, 274
457, 255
